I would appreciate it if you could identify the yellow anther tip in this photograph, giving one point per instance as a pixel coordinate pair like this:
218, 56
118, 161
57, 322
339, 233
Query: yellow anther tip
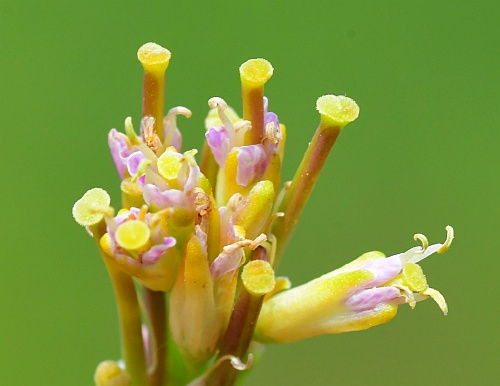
132, 235
256, 72
153, 55
338, 110
258, 277
83, 210
450, 235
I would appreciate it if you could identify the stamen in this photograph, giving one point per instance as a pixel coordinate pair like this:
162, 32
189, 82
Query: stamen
437, 297
423, 240
149, 134
407, 293
252, 244
235, 362
141, 169
243, 126
234, 202
273, 133
449, 238
158, 219
170, 123
221, 106
142, 213
155, 179
281, 194
282, 283
272, 238
189, 156
217, 102
272, 220
258, 241
129, 130
201, 202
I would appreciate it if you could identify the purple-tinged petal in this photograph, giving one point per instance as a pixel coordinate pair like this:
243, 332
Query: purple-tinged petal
383, 269
272, 118
251, 164
177, 140
164, 199
154, 253
219, 142
117, 145
193, 178
133, 162
369, 299
227, 262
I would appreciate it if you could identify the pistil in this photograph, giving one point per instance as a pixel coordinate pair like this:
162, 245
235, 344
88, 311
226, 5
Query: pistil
254, 74
154, 60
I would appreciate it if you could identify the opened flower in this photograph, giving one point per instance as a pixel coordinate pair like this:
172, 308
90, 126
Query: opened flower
193, 250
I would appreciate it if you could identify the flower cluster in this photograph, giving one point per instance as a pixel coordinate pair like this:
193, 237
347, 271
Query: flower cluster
195, 245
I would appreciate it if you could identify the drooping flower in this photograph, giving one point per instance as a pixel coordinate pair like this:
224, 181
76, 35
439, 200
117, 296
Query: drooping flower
360, 295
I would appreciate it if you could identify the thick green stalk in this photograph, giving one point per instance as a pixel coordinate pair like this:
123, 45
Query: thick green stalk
303, 183
129, 315
157, 315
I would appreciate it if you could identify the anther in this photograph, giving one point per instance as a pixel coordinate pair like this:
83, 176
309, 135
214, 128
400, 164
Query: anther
149, 134
221, 106
170, 123
423, 240
129, 130
242, 125
449, 238
141, 169
273, 133
407, 293
437, 297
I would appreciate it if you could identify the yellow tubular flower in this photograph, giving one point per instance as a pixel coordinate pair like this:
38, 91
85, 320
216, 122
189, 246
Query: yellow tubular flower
360, 295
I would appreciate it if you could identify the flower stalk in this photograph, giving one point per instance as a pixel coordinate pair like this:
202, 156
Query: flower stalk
336, 112
156, 309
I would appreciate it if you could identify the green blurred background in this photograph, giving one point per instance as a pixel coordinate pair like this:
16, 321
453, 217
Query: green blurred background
423, 154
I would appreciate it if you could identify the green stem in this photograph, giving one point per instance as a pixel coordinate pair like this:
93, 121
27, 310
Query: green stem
303, 183
129, 316
239, 332
157, 314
